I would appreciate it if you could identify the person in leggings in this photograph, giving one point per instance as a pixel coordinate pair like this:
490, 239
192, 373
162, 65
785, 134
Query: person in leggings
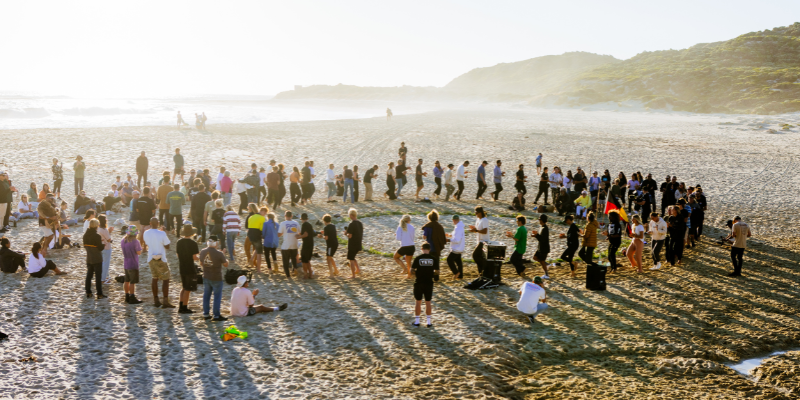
614, 234
544, 186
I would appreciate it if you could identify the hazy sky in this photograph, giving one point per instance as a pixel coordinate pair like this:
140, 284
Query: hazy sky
119, 48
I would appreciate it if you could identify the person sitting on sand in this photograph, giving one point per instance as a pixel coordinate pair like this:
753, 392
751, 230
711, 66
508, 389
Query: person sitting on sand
331, 244
243, 300
584, 203
38, 266
532, 298
26, 208
10, 260
425, 269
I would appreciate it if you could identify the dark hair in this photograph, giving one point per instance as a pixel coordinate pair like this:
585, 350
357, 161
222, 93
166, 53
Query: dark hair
655, 214
5, 242
521, 218
479, 209
590, 216
326, 218
146, 190
433, 216
88, 214
426, 246
215, 195
200, 187
176, 186
613, 217
35, 249
103, 220
304, 216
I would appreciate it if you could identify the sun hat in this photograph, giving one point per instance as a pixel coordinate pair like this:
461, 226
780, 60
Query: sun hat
187, 230
133, 230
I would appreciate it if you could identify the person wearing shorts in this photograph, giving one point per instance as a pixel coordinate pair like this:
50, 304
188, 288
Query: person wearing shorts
188, 251
331, 243
243, 300
307, 251
572, 242
405, 234
131, 249
425, 269
355, 235
157, 245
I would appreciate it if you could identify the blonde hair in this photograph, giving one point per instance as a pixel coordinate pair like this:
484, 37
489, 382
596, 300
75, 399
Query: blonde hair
218, 203
636, 219
352, 213
404, 221
94, 223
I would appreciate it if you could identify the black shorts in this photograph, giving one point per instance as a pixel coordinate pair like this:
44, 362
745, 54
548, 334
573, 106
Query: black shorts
569, 254
351, 253
520, 187
258, 247
541, 255
423, 289
132, 276
305, 254
330, 251
189, 282
419, 182
251, 311
407, 251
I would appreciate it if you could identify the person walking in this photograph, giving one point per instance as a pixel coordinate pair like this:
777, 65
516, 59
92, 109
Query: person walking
418, 175
634, 252
400, 175
614, 234
497, 178
212, 261
105, 233
131, 250
589, 234
79, 167
93, 243
288, 230
543, 237
461, 175
740, 231
390, 182
331, 244
481, 227
448, 182
188, 252
573, 232
457, 247
539, 164
231, 227
481, 178
355, 236
438, 171
544, 185
269, 234
255, 223
295, 194
657, 228
405, 235
520, 245
142, 165
273, 180
307, 233
371, 173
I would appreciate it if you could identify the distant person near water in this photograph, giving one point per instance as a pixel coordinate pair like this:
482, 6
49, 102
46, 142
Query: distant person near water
180, 120
389, 114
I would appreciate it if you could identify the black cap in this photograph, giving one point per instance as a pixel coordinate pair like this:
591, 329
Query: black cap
543, 218
426, 246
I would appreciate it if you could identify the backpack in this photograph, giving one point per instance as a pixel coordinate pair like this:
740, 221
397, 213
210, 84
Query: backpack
480, 284
232, 275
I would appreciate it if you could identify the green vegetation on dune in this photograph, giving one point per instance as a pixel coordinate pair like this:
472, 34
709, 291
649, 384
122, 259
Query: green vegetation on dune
758, 72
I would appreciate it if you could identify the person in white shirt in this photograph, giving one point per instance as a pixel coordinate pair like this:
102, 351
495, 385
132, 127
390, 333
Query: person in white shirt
461, 175
26, 209
262, 184
481, 227
457, 246
330, 180
38, 266
658, 232
532, 299
555, 182
289, 230
243, 300
448, 182
405, 234
220, 175
157, 244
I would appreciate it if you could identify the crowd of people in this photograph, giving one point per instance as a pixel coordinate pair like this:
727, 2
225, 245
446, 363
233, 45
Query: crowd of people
151, 213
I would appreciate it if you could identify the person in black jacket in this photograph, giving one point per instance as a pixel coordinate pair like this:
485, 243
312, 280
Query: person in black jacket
141, 170
10, 260
94, 246
543, 236
572, 242
198, 207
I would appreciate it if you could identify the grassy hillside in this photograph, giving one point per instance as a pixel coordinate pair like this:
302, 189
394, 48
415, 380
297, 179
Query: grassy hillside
351, 92
758, 72
535, 76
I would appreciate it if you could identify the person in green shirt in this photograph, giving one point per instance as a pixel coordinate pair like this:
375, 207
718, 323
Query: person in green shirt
79, 167
176, 200
520, 245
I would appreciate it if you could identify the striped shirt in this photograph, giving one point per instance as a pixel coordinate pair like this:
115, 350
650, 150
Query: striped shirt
231, 222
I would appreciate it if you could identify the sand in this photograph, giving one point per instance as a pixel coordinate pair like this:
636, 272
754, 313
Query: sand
655, 335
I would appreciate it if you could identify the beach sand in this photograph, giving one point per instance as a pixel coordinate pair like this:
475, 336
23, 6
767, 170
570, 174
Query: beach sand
664, 334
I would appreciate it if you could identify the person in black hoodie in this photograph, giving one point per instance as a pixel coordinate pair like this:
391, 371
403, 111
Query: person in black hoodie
198, 207
543, 237
141, 169
572, 242
93, 244
614, 233
10, 260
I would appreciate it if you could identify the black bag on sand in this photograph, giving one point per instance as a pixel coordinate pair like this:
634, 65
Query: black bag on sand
596, 276
120, 279
232, 276
480, 284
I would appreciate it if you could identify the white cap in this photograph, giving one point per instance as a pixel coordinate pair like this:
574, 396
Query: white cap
241, 281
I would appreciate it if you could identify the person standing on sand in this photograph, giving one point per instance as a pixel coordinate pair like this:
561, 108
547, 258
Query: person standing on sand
288, 230
402, 152
131, 249
482, 185
262, 186
418, 178
368, 176
520, 245
519, 185
178, 170
347, 174
555, 180
539, 164
405, 235
481, 227
157, 244
400, 175
203, 119
295, 194
532, 299
437, 178
634, 252
58, 177
614, 233
187, 251
390, 182
544, 185
658, 232
572, 242
589, 234
306, 184
497, 178
330, 181
426, 270
175, 201
212, 261
739, 233
433, 232
667, 194
388, 114
355, 235
93, 243
457, 247
461, 175
543, 237
162, 198
255, 225
79, 167
180, 120
197, 210
307, 233
331, 244
142, 165
243, 300
448, 182
273, 180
